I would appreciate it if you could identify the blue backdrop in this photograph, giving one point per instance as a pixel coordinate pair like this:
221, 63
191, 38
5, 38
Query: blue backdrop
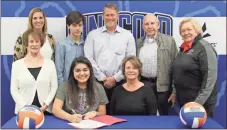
61, 8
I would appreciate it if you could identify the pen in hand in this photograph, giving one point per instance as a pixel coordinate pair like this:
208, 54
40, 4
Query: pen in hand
83, 117
76, 117
73, 112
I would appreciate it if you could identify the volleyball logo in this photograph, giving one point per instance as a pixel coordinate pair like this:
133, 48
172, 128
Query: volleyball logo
193, 115
30, 117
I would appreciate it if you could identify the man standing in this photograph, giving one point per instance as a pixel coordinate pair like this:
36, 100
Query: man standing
106, 47
71, 47
156, 52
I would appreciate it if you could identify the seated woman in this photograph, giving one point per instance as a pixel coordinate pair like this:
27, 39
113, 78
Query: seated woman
37, 22
34, 78
80, 95
133, 97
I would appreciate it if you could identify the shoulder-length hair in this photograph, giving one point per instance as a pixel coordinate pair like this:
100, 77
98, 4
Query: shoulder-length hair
135, 61
72, 85
30, 17
36, 35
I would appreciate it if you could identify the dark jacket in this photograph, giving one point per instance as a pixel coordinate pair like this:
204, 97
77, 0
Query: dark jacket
195, 73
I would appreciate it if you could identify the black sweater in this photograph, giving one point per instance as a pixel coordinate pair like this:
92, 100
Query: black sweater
139, 102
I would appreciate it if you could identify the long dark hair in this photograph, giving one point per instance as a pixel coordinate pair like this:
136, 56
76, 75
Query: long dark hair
72, 85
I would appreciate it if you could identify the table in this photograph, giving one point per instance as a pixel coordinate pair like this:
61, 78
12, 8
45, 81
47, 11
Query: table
132, 123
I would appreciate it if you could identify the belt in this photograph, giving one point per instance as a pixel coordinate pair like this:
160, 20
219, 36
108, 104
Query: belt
152, 79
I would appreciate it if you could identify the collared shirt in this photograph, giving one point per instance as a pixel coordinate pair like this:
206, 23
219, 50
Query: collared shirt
148, 57
107, 50
66, 51
186, 46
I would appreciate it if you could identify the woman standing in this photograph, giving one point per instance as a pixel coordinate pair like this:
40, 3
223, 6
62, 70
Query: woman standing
34, 78
80, 97
194, 70
38, 23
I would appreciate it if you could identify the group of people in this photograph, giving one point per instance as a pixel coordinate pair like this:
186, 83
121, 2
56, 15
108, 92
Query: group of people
110, 72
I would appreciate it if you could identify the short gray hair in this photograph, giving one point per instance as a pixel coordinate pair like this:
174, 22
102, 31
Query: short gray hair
152, 15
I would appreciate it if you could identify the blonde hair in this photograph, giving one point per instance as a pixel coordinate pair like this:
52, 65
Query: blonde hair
111, 6
30, 17
194, 23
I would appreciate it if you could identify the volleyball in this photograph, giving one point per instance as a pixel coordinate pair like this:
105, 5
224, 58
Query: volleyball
30, 117
193, 115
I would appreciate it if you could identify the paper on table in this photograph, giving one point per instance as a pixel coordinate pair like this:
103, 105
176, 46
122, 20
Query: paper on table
88, 124
97, 122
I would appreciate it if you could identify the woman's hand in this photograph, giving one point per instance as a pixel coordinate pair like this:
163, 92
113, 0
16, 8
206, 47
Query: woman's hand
75, 118
43, 108
172, 99
90, 115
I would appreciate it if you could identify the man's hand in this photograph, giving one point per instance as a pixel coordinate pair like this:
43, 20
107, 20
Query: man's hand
109, 82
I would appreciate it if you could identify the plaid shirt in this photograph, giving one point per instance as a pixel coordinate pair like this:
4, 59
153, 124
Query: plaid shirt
148, 57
